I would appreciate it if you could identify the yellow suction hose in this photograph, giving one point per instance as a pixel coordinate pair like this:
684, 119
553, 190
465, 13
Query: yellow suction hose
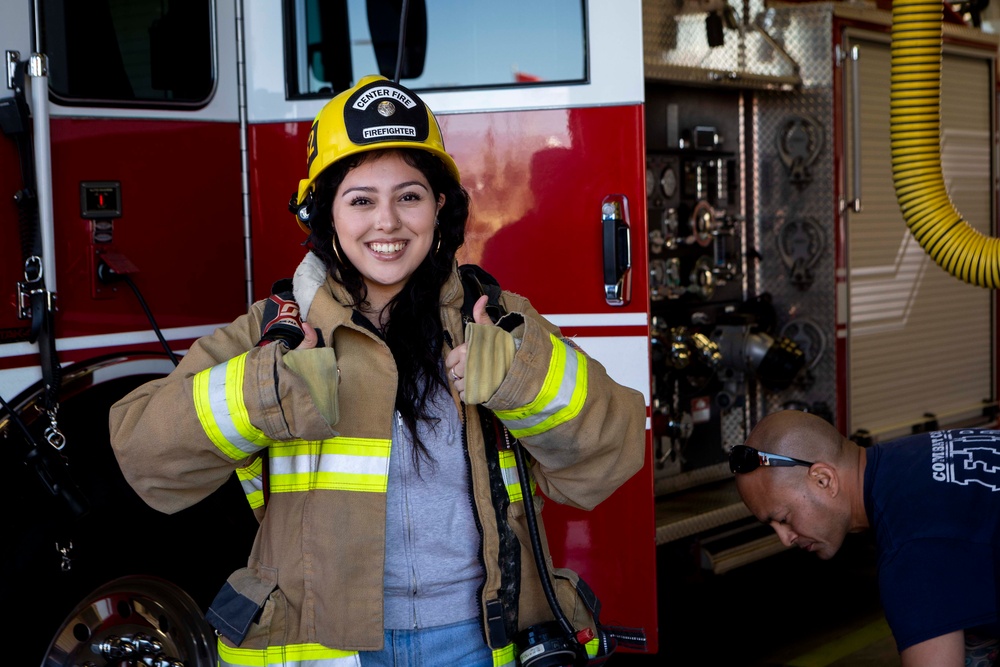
915, 127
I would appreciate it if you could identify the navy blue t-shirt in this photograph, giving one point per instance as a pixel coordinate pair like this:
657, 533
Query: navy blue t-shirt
933, 500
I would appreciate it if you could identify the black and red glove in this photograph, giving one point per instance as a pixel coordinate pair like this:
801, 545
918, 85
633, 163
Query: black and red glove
281, 317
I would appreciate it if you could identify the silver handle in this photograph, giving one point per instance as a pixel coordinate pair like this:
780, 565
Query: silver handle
855, 203
617, 250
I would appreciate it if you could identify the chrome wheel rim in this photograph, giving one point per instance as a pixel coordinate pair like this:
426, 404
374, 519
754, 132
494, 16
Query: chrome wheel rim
132, 618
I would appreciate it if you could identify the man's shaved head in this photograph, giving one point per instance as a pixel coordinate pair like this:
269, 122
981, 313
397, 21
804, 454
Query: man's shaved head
810, 507
799, 435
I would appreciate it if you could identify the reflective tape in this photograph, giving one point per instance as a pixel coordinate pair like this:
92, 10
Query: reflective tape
292, 655
341, 463
508, 468
252, 480
504, 657
222, 412
511, 478
560, 399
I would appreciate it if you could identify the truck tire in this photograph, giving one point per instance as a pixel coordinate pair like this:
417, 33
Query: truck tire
57, 557
134, 620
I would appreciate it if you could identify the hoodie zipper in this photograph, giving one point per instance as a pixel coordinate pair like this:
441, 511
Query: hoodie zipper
409, 547
472, 501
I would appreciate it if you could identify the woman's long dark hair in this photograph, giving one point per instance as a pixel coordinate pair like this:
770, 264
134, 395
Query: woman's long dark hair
413, 331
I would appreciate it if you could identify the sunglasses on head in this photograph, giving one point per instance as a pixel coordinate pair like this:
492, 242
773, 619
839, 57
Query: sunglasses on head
744, 459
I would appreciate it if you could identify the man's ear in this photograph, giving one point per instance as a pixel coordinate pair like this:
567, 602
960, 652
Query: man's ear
825, 477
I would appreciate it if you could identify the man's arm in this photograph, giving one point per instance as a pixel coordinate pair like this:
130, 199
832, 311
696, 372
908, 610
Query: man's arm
944, 651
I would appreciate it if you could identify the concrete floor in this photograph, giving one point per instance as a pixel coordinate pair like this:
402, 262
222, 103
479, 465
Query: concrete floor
789, 610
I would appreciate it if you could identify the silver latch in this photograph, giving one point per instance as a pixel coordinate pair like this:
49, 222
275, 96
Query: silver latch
13, 58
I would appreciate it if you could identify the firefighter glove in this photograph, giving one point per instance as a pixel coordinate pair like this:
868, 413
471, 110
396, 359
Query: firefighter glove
280, 320
490, 354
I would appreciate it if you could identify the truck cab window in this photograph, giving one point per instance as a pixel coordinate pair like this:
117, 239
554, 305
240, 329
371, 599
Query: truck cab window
146, 53
451, 44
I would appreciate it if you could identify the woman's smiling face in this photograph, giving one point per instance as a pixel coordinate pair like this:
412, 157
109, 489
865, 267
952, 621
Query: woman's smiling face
384, 213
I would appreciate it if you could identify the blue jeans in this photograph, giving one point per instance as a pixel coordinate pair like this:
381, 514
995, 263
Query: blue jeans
456, 645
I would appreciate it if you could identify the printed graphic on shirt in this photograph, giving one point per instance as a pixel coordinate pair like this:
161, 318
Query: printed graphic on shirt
966, 457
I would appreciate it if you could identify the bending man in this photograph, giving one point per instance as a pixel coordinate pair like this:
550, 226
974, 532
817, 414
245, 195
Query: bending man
932, 499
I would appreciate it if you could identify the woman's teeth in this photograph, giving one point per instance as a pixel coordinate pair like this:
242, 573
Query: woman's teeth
387, 248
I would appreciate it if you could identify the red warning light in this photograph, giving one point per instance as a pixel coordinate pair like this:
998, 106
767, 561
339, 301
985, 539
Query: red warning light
100, 200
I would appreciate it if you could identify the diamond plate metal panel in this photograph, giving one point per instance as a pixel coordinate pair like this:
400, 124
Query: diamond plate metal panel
805, 32
677, 46
796, 215
734, 423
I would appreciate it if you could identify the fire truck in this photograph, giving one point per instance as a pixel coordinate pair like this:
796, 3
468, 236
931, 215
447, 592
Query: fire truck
701, 193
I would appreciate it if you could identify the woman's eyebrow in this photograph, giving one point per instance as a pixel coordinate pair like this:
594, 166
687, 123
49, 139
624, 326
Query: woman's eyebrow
358, 188
369, 188
407, 184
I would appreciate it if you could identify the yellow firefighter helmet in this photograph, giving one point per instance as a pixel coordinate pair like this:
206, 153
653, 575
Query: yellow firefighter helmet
373, 115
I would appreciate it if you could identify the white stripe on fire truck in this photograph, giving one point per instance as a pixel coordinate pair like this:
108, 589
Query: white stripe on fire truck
598, 319
110, 341
115, 340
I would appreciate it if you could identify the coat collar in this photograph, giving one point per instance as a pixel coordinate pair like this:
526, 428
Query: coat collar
312, 274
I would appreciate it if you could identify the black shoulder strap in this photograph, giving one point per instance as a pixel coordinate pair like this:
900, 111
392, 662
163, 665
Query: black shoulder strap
477, 282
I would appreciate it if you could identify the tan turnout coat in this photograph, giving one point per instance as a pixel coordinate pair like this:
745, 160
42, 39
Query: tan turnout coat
315, 570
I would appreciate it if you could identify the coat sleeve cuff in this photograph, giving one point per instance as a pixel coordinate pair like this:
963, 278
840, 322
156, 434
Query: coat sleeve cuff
490, 354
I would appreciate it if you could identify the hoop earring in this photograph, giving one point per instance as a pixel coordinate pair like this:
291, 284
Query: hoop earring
337, 252
437, 248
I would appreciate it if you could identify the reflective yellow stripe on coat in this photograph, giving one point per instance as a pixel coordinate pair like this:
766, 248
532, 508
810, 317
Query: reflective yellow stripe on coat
504, 657
252, 480
293, 655
341, 464
219, 404
563, 393
511, 478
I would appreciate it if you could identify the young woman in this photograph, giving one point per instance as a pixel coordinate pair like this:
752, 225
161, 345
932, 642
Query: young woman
391, 518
